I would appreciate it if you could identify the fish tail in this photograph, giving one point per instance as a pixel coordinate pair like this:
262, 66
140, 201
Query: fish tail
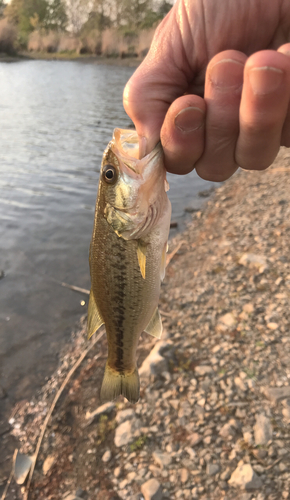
115, 383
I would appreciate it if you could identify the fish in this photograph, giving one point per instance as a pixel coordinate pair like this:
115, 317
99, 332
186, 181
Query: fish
127, 257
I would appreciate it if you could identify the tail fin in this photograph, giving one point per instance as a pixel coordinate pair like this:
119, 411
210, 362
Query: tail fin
115, 383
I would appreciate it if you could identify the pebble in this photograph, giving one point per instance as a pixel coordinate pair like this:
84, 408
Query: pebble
151, 490
212, 469
102, 410
184, 475
124, 433
107, 456
48, 463
124, 415
262, 430
202, 370
162, 459
155, 363
275, 394
245, 477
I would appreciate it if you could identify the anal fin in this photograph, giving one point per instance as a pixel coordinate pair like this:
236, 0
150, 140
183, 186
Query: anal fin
154, 326
95, 320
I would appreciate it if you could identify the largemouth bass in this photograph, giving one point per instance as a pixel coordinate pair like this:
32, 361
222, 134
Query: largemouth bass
127, 257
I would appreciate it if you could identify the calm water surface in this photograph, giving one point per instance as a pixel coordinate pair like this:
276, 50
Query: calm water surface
55, 120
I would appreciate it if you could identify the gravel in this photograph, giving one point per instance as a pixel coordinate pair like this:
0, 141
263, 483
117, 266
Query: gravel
213, 417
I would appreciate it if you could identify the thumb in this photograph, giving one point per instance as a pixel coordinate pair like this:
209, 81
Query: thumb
156, 83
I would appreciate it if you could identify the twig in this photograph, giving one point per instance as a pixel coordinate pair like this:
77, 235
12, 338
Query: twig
58, 394
163, 313
75, 288
171, 255
276, 462
10, 477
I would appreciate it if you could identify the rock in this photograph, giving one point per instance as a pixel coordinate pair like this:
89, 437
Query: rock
272, 325
124, 433
71, 496
190, 452
151, 490
195, 439
124, 415
248, 308
225, 475
107, 456
81, 493
254, 260
202, 370
155, 363
240, 384
184, 475
21, 467
212, 469
245, 477
162, 459
48, 463
102, 410
117, 472
275, 394
226, 322
229, 429
262, 430
192, 208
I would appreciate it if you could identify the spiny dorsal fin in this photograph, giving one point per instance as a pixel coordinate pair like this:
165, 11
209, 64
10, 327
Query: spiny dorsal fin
141, 254
154, 326
94, 318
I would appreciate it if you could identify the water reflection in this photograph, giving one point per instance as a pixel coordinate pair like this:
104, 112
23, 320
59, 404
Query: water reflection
55, 118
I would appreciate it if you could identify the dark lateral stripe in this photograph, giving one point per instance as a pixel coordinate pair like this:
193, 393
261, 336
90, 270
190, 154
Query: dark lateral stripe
119, 312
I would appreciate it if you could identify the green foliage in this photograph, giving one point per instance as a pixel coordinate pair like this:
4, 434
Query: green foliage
36, 14
139, 443
56, 17
2, 8
96, 21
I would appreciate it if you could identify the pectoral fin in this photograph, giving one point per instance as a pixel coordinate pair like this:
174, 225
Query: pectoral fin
154, 326
95, 320
141, 254
163, 262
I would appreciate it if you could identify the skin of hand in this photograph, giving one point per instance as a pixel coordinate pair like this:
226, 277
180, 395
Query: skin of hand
215, 86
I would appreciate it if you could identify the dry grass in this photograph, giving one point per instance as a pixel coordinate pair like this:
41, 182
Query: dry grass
52, 42
110, 43
8, 36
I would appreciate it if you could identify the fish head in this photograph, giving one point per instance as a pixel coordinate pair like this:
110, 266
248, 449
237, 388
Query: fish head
132, 189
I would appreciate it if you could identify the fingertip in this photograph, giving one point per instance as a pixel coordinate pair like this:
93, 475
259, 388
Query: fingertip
285, 49
182, 134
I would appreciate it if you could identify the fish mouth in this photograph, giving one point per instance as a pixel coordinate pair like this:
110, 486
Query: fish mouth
126, 147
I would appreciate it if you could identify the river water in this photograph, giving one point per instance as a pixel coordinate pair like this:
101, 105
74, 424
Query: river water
56, 118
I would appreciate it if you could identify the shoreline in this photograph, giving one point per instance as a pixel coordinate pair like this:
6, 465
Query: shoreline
215, 404
85, 58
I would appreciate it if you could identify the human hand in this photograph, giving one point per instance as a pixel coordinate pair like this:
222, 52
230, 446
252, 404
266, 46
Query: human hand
211, 89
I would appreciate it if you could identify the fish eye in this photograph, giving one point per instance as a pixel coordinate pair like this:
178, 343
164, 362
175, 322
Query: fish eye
109, 174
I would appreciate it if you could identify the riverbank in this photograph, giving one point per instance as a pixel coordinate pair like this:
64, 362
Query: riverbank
214, 412
131, 62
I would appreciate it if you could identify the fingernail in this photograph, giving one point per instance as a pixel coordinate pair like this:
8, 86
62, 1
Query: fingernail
189, 119
265, 80
226, 74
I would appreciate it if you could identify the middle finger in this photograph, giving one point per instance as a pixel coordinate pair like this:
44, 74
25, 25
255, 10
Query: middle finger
223, 87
